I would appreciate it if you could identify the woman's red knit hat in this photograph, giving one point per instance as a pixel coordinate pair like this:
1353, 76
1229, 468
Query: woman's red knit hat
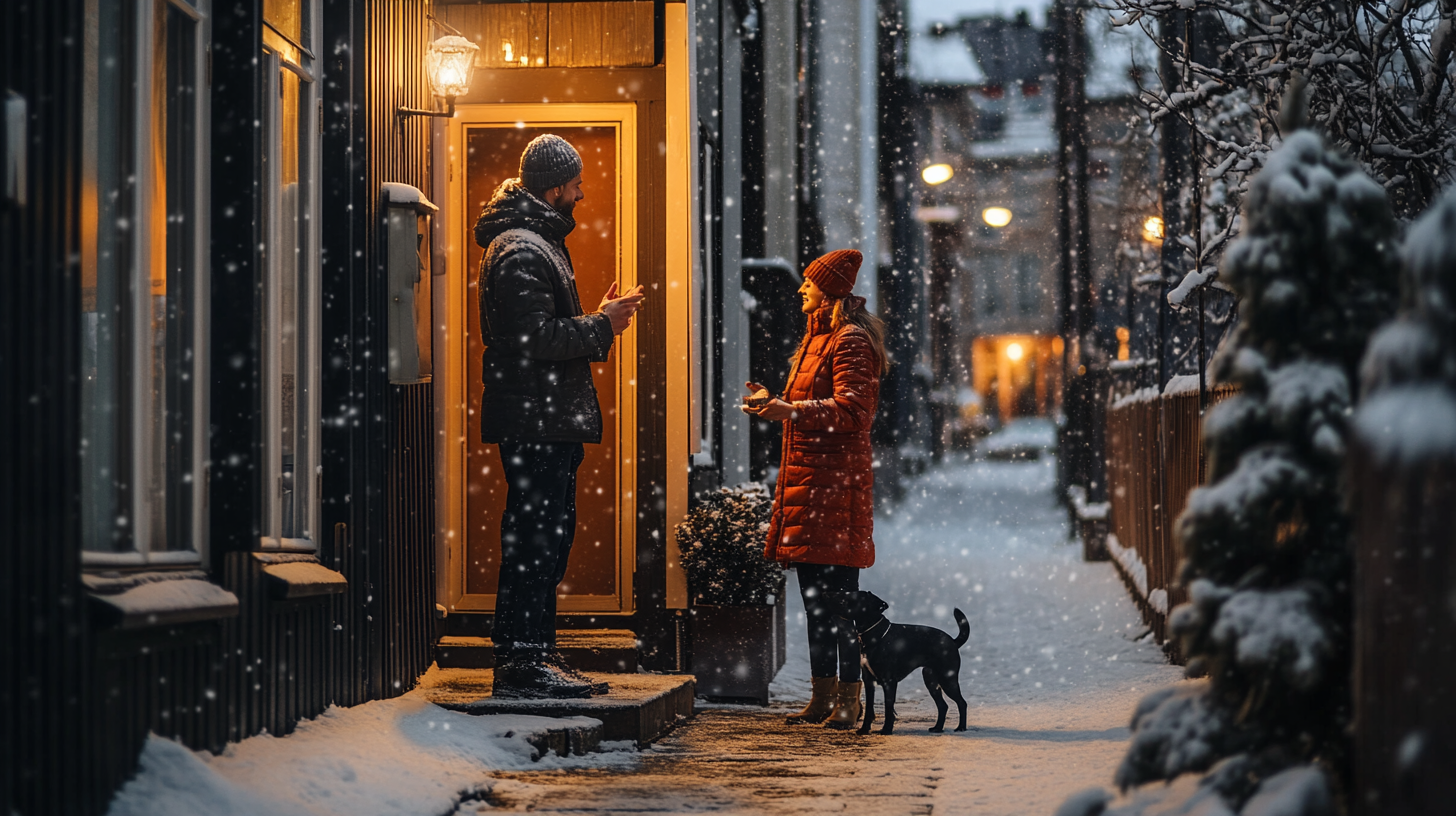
835, 272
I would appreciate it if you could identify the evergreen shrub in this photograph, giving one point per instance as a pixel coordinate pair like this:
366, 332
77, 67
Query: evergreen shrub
721, 543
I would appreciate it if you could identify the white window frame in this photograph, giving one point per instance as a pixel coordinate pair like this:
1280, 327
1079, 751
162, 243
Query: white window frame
705, 336
143, 255
307, 462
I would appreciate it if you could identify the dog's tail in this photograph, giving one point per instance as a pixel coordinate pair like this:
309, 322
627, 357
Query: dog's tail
965, 625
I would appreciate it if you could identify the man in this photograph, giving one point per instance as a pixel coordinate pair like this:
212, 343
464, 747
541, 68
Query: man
539, 404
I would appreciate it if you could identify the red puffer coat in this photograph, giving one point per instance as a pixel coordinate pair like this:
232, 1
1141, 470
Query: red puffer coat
824, 504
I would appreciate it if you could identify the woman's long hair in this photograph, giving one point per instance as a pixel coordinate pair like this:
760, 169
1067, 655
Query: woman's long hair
852, 310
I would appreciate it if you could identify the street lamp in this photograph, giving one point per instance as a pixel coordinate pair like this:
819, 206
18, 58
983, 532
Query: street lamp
937, 174
1014, 351
996, 216
449, 64
1153, 230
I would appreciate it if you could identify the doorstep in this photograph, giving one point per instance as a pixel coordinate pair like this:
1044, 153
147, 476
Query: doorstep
589, 650
640, 707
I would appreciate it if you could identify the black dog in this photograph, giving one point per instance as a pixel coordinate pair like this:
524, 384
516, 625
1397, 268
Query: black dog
888, 652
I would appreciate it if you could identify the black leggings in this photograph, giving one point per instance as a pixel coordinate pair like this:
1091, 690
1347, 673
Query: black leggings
833, 645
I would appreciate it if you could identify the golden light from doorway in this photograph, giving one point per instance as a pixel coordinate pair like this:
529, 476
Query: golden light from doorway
1153, 230
1014, 351
449, 64
997, 217
937, 174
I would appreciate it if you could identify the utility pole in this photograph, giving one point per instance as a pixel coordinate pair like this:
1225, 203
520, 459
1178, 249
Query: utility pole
1080, 392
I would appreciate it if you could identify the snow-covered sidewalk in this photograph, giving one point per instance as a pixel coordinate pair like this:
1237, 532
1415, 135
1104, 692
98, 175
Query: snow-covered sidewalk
1055, 663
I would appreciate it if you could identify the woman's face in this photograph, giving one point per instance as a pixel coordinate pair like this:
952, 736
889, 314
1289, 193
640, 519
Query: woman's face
812, 295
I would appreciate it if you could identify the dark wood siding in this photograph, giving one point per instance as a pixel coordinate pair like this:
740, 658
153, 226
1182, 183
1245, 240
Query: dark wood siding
43, 641
76, 703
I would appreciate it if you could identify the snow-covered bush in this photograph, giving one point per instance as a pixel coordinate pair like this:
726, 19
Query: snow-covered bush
721, 541
1266, 541
1409, 373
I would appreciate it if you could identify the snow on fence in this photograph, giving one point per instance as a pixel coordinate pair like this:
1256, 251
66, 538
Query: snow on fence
1154, 458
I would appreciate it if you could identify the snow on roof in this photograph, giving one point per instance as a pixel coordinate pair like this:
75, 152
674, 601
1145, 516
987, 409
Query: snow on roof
943, 59
1027, 133
1113, 54
923, 12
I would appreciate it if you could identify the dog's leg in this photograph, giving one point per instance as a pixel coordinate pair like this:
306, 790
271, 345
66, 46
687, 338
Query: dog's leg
952, 685
889, 726
940, 706
869, 703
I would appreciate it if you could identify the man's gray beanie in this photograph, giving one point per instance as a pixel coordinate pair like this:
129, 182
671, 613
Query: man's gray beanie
548, 161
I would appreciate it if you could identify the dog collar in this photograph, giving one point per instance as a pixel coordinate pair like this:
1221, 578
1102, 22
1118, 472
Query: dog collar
883, 620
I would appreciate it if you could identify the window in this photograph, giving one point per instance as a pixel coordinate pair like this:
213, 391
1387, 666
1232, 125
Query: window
144, 283
288, 332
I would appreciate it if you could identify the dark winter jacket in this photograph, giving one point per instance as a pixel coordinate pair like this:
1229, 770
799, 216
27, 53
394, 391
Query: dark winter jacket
824, 504
539, 346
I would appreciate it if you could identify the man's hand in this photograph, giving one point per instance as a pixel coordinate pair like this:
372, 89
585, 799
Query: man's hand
619, 310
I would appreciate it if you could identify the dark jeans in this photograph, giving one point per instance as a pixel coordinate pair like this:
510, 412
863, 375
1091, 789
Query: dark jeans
536, 534
828, 590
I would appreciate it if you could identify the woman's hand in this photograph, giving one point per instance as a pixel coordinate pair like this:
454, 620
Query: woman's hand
764, 406
776, 410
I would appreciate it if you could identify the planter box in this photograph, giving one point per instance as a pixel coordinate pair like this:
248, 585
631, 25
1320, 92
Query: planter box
737, 650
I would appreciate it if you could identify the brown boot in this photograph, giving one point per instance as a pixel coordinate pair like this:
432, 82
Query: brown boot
847, 707
821, 702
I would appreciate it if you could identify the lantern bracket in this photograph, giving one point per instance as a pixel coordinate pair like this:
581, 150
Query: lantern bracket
449, 112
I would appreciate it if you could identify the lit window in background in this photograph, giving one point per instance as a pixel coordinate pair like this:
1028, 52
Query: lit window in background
1123, 335
996, 216
1013, 351
1153, 230
937, 174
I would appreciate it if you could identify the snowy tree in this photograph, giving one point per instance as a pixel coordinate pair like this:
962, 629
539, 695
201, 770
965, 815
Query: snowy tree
1266, 540
1379, 79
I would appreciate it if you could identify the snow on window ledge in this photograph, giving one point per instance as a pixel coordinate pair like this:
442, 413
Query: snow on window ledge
294, 575
141, 599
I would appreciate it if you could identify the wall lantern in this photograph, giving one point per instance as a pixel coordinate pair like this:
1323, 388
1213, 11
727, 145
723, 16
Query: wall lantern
1014, 352
1153, 230
449, 64
996, 216
937, 174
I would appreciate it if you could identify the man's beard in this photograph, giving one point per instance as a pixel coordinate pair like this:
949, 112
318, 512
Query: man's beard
566, 208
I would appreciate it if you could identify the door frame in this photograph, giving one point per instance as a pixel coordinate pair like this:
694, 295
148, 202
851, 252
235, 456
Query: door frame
451, 344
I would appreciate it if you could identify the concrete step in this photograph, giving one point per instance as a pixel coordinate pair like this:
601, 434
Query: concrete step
588, 650
640, 707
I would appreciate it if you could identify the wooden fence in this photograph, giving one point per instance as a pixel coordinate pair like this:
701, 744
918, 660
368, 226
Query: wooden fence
1154, 458
1405, 634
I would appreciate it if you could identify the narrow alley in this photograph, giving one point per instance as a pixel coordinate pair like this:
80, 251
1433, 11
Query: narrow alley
1056, 661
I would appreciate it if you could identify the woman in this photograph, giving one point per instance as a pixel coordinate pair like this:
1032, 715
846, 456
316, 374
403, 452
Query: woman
823, 517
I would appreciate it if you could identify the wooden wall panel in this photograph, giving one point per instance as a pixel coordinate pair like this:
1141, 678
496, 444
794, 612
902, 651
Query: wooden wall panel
558, 35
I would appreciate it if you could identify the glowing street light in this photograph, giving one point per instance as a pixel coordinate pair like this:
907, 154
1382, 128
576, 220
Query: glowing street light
1013, 352
937, 174
997, 217
1153, 230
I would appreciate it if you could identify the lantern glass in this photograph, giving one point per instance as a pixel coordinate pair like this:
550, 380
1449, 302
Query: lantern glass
449, 65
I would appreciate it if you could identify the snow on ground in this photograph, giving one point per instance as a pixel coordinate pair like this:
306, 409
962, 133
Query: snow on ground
1058, 656
389, 757
1055, 641
1056, 661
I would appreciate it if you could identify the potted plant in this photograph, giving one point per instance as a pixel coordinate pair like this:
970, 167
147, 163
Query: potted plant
737, 614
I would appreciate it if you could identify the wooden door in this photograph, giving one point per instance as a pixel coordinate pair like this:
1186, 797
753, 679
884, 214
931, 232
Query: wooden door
486, 144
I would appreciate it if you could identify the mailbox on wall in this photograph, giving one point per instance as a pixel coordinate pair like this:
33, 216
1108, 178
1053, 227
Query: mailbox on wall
406, 214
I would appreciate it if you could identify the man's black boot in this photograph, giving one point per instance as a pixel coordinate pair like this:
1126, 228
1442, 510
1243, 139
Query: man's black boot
557, 661
523, 674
